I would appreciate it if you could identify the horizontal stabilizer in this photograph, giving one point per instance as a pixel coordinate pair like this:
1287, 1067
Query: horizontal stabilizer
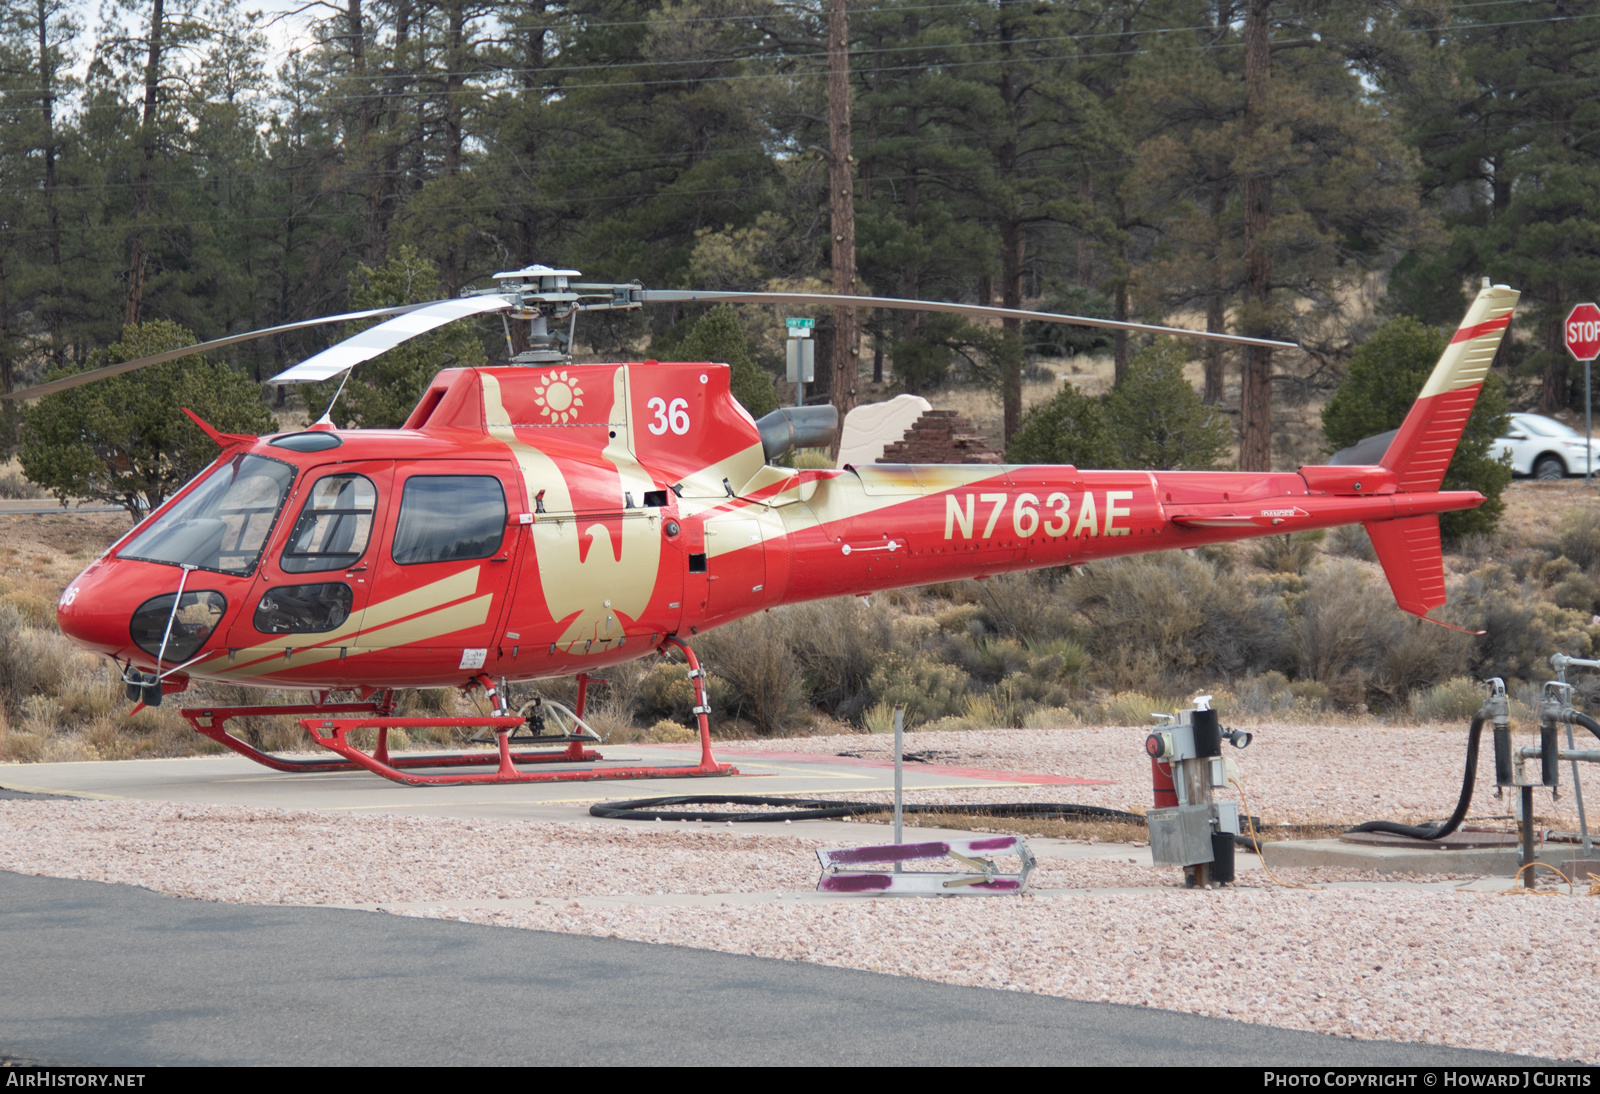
1412, 560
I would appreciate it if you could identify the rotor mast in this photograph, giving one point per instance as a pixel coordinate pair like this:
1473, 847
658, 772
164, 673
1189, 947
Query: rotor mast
545, 298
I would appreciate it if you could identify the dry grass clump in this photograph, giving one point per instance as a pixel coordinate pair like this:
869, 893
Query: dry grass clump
14, 485
1455, 700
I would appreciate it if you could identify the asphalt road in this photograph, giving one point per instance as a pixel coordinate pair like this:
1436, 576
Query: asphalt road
122, 976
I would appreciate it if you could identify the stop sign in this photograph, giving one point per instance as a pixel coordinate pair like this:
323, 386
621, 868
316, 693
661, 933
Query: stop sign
1582, 332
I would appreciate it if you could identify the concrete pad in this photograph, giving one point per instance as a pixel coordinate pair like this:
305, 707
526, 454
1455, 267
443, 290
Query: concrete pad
234, 780
1495, 861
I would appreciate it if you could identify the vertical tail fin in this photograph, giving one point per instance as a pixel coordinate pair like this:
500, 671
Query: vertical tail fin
1409, 548
1427, 440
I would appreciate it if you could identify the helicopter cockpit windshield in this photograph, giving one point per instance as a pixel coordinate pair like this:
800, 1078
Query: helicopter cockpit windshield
223, 522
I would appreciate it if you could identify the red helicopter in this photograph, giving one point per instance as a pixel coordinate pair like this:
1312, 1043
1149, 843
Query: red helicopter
548, 519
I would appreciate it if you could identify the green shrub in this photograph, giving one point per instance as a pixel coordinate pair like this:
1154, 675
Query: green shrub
754, 659
878, 718
1178, 612
1579, 538
1350, 637
1272, 694
1052, 718
930, 689
1351, 541
1058, 659
1290, 554
1568, 587
1521, 630
838, 645
1158, 420
1024, 605
1071, 428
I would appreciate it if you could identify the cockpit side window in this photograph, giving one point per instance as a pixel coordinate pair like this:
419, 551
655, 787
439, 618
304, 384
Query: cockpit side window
334, 525
223, 522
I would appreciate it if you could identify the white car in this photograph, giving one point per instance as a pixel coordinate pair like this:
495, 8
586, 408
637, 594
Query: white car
1545, 448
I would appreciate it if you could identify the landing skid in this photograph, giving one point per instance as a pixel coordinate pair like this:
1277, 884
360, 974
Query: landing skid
333, 733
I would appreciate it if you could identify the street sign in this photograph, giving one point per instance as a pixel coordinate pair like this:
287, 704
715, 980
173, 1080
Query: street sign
799, 328
1582, 335
1582, 332
802, 361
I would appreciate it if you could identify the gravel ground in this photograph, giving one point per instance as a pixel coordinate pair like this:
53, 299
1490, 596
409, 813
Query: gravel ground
1293, 774
1414, 963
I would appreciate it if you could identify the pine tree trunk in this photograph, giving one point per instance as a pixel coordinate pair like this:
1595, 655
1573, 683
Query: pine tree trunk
1216, 364
1119, 339
369, 179
1255, 388
841, 205
1555, 388
138, 259
47, 142
1011, 354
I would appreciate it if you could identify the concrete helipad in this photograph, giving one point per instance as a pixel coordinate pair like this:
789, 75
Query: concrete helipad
234, 780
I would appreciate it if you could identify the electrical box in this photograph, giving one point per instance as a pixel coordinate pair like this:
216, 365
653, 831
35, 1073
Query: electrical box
1181, 836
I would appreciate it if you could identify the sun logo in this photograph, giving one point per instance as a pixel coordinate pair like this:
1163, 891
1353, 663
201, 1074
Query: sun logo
558, 397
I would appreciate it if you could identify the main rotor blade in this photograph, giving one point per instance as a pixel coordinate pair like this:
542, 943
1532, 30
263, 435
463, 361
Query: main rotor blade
81, 378
374, 340
826, 300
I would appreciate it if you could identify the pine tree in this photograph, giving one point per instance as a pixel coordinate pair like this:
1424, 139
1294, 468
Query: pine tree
1157, 418
1511, 165
125, 440
382, 392
1071, 428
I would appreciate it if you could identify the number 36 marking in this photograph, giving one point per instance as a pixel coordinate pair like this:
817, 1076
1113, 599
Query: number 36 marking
674, 417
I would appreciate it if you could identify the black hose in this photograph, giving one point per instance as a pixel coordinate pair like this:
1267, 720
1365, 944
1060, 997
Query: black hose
1587, 723
1435, 830
823, 809
649, 809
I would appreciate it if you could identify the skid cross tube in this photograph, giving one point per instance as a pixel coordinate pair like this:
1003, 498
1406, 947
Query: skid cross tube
212, 722
330, 726
333, 734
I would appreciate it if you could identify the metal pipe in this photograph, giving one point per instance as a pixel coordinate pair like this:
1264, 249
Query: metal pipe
1562, 662
1583, 755
899, 766
1527, 837
177, 602
1577, 790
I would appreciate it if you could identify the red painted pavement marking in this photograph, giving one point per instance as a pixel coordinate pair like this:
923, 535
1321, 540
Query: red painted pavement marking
934, 769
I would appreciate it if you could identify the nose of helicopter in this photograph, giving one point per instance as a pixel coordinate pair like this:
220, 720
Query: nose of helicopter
86, 617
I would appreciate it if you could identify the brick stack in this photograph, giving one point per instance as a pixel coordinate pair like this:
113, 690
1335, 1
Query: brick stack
940, 436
